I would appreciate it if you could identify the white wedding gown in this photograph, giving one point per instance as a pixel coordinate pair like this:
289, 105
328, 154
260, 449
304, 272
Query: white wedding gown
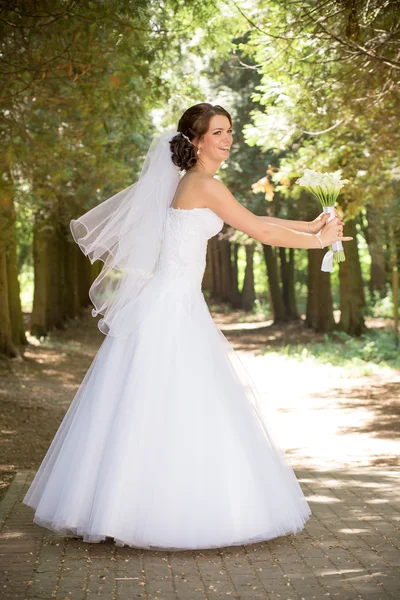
163, 446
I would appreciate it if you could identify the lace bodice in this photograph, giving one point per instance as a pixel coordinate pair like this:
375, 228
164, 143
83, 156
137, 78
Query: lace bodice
184, 246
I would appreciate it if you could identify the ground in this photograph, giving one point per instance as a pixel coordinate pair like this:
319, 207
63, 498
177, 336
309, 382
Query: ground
340, 433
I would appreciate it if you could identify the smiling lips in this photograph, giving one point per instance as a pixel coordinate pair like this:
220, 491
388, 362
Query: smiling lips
225, 149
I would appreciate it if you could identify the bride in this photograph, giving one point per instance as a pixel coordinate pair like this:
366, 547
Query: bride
163, 446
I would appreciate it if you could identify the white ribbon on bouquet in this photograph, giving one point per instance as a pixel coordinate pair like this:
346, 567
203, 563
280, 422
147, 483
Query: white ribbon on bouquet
327, 261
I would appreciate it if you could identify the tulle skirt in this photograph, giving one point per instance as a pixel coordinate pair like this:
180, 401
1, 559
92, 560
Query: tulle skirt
163, 446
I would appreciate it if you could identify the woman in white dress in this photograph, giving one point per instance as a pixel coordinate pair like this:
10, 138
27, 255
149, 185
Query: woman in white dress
163, 446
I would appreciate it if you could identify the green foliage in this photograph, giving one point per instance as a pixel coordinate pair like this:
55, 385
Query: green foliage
368, 353
327, 102
84, 87
26, 284
260, 275
236, 83
381, 306
321, 91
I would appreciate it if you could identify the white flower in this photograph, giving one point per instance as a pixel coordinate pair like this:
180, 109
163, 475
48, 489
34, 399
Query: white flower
334, 181
325, 186
310, 178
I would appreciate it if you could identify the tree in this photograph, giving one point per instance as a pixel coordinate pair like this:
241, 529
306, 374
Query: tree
329, 92
79, 83
236, 81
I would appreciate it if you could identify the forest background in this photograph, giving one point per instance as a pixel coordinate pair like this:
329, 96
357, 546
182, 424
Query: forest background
86, 85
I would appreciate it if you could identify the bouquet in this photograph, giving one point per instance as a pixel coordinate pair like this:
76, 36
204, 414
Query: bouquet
326, 187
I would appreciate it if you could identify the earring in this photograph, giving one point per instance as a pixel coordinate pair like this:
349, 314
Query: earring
198, 150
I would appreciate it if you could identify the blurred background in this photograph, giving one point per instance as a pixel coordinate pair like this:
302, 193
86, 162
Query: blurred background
85, 86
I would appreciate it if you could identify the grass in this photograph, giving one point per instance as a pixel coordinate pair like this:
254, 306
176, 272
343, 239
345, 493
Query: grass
364, 355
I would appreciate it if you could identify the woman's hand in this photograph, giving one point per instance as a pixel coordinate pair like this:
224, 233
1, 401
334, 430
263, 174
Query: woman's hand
333, 232
318, 223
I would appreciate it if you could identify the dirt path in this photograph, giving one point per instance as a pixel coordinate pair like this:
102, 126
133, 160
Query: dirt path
320, 416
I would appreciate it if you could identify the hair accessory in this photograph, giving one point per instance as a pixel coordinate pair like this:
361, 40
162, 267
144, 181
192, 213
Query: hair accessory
185, 136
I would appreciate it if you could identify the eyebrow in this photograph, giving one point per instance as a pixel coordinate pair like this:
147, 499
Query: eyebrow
215, 129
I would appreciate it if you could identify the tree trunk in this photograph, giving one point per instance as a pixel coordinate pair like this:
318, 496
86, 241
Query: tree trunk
319, 312
216, 269
292, 302
62, 279
352, 298
312, 288
7, 346
14, 298
376, 249
395, 281
234, 295
84, 279
54, 300
288, 281
11, 323
72, 282
225, 257
39, 325
64, 251
248, 292
277, 304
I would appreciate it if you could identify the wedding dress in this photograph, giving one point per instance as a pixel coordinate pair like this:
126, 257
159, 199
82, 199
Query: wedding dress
163, 446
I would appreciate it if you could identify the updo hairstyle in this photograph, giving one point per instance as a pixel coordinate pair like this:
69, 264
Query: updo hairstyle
193, 123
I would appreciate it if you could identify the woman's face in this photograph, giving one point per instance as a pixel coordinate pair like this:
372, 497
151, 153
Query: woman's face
216, 143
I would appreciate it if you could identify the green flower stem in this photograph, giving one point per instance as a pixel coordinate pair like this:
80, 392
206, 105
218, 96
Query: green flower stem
327, 197
339, 256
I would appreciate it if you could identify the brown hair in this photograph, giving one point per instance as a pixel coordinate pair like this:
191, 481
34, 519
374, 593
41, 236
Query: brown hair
193, 123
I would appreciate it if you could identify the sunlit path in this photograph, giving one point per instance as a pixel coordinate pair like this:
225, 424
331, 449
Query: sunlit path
324, 417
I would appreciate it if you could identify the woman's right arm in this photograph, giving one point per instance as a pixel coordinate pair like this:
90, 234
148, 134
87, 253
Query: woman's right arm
220, 200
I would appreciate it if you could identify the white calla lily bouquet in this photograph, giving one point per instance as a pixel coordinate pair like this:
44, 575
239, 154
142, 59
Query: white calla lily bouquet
326, 187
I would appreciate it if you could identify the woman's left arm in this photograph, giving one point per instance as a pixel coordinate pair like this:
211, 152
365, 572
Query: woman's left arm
296, 225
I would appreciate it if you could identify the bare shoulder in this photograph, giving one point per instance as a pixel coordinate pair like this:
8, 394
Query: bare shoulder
208, 191
191, 191
213, 185
214, 193
217, 195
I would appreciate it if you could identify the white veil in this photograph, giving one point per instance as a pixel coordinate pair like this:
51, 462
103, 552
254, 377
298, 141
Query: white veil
126, 232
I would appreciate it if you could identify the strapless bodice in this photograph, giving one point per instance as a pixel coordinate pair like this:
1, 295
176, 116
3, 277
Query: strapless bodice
184, 246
